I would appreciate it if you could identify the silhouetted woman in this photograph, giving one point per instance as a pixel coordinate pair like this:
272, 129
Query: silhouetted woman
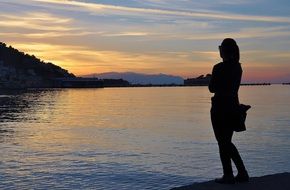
225, 83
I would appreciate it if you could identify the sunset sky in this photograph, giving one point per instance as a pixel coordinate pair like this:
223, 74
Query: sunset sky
178, 37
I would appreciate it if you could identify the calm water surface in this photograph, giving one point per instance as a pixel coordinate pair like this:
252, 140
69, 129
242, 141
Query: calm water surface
132, 138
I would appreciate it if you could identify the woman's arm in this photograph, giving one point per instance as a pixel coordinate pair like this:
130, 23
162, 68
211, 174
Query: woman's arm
237, 79
212, 82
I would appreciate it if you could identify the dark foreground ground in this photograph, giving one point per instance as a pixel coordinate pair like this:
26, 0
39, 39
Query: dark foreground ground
270, 182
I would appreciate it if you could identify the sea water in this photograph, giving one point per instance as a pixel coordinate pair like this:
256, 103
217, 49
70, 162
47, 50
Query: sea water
132, 138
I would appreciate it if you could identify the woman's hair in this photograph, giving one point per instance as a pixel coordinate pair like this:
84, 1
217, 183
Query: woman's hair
230, 50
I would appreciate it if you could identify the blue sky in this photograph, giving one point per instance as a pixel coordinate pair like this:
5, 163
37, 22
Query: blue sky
151, 36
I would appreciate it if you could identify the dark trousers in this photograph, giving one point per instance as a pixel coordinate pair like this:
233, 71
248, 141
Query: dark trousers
222, 126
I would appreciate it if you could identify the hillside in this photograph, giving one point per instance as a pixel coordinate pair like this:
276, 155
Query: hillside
18, 69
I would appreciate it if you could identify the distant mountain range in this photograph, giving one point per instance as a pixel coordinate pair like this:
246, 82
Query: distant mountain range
140, 78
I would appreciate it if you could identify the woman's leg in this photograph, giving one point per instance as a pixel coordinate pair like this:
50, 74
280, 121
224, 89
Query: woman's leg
225, 149
223, 136
235, 156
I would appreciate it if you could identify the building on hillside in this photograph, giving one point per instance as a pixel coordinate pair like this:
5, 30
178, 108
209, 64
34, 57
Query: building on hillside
198, 81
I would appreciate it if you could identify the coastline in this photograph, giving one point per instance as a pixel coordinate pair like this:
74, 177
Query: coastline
96, 84
279, 181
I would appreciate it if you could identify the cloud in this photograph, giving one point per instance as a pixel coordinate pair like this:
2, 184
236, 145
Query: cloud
49, 25
267, 58
172, 33
127, 34
151, 36
115, 9
243, 33
83, 60
36, 21
41, 35
38, 25
198, 4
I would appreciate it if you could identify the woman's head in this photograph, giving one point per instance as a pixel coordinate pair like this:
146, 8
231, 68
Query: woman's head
229, 50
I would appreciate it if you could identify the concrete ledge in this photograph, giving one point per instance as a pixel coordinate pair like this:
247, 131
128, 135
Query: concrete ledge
269, 182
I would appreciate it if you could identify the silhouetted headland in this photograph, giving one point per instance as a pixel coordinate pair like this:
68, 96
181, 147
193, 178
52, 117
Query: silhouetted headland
279, 181
19, 70
256, 84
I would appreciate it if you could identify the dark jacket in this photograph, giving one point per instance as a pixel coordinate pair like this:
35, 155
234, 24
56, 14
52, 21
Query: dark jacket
225, 83
226, 79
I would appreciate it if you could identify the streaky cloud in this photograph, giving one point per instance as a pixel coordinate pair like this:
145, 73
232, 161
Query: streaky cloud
93, 7
82, 60
36, 21
41, 35
126, 34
